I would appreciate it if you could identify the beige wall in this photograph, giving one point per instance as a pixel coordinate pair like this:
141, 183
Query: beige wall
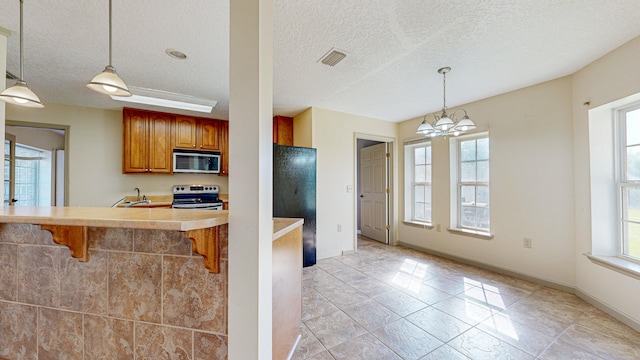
540, 181
530, 168
40, 138
95, 156
612, 77
302, 129
334, 137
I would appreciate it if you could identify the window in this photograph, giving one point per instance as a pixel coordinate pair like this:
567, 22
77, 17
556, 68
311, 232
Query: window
418, 182
629, 182
470, 174
32, 176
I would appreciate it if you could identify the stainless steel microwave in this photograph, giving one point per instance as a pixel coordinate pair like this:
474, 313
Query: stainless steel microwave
196, 162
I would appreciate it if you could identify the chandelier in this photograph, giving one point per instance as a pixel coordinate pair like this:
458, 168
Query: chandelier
445, 124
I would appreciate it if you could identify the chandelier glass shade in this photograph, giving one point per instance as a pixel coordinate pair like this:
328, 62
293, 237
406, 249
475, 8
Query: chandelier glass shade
108, 82
445, 124
20, 94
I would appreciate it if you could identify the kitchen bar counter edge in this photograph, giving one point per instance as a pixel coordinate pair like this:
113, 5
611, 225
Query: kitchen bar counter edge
134, 218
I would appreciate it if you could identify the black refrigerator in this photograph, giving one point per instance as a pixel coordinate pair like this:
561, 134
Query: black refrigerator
294, 192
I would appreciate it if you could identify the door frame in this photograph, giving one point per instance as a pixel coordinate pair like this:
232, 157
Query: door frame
12, 168
391, 178
66, 129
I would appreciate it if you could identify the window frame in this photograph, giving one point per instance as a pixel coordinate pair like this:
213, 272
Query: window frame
457, 184
410, 183
34, 162
622, 183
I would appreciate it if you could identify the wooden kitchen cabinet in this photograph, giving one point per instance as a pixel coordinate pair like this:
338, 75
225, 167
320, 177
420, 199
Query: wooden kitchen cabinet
224, 147
208, 137
195, 133
146, 142
283, 130
184, 132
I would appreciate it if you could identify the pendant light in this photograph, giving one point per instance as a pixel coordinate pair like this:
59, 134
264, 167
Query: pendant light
445, 124
108, 82
20, 94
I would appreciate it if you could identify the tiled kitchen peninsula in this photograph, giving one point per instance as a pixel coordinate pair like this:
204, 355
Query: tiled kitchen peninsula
143, 293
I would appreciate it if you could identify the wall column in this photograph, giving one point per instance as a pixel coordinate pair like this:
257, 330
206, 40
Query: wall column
4, 38
250, 178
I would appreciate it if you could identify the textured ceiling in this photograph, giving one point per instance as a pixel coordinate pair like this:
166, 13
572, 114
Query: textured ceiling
394, 48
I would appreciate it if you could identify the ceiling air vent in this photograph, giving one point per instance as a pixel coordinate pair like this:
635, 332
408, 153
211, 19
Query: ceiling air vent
333, 57
10, 76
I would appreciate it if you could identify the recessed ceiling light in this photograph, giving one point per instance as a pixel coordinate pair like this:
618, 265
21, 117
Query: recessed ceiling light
167, 99
176, 54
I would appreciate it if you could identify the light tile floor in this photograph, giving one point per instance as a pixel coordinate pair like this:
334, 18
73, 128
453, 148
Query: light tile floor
389, 302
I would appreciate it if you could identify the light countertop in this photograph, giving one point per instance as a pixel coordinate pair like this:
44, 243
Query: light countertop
136, 218
282, 226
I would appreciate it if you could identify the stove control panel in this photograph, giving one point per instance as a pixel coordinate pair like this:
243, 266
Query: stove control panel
195, 189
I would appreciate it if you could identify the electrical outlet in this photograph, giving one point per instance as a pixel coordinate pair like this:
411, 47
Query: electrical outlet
438, 229
349, 188
526, 243
339, 228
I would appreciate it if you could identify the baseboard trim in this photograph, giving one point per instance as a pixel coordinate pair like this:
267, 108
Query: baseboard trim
623, 318
347, 252
569, 289
493, 268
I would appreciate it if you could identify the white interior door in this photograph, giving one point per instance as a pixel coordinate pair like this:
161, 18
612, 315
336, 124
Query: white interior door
374, 193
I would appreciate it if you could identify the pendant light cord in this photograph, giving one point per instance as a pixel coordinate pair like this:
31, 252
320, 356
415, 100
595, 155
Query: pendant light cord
109, 32
444, 90
21, 44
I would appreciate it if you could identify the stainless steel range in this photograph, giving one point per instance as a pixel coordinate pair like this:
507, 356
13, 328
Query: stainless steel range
198, 197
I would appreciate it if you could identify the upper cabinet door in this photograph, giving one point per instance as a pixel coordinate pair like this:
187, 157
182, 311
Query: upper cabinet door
160, 151
208, 135
283, 130
224, 148
135, 141
185, 132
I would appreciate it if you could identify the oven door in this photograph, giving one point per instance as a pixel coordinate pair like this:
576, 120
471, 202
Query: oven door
199, 206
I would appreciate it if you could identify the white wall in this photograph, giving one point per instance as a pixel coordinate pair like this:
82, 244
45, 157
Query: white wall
531, 193
333, 135
95, 156
614, 76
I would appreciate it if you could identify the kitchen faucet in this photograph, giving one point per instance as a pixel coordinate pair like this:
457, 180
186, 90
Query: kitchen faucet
138, 190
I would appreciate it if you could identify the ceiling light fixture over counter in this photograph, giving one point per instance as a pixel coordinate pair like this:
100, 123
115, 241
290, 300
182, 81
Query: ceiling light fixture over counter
108, 82
443, 124
20, 94
167, 99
